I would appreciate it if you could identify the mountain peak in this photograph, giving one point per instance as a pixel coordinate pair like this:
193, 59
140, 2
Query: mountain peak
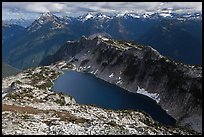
47, 14
46, 19
86, 16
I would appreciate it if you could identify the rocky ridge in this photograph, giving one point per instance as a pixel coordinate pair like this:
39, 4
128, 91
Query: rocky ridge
175, 86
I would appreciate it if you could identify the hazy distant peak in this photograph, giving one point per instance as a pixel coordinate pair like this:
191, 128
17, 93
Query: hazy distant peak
47, 14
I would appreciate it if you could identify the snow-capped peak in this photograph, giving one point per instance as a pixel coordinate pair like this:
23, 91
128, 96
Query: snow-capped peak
47, 14
88, 16
165, 14
102, 16
85, 17
93, 16
54, 22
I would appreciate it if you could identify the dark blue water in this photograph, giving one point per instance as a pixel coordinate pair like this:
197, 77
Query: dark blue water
87, 89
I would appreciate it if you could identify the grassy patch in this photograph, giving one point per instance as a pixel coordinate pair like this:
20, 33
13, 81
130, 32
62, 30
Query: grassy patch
46, 85
14, 96
23, 93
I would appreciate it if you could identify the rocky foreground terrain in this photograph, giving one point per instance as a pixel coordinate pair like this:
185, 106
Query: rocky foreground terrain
32, 108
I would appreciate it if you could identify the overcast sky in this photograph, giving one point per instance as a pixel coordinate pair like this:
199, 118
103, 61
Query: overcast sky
34, 9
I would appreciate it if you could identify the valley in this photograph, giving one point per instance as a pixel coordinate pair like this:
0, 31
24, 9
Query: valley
46, 34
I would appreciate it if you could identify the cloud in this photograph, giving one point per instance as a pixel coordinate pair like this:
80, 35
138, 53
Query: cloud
76, 8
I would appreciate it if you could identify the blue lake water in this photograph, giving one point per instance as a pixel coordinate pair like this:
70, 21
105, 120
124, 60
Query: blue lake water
87, 89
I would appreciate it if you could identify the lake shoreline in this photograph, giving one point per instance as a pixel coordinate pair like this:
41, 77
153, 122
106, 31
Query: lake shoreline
116, 86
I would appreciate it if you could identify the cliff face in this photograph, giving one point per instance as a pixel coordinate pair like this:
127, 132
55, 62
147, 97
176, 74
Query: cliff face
175, 86
32, 108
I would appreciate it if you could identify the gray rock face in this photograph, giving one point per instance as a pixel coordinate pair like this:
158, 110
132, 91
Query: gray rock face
8, 90
129, 66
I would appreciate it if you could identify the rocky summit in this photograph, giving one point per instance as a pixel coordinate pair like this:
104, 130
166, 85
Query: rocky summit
32, 108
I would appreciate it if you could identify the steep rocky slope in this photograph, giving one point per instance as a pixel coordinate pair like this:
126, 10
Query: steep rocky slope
175, 86
170, 38
10, 34
8, 70
33, 109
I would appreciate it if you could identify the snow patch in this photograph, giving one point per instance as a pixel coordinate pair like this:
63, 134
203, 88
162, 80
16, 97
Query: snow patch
3, 95
88, 16
41, 21
26, 86
105, 39
153, 96
136, 16
92, 72
119, 82
95, 71
165, 15
111, 75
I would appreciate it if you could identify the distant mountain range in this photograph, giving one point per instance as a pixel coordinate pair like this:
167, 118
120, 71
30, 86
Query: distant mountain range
177, 36
21, 22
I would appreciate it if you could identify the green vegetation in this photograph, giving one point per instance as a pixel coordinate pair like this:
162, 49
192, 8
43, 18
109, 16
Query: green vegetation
123, 44
23, 57
44, 77
61, 101
18, 82
23, 93
46, 85
13, 96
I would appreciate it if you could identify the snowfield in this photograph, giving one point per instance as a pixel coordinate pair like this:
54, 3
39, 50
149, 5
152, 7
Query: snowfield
153, 96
